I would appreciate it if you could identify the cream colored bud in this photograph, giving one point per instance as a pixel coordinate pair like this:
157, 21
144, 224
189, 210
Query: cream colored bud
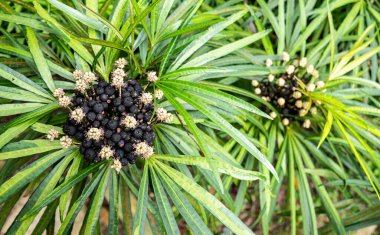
297, 94
151, 76
52, 134
281, 82
306, 124
273, 115
117, 165
320, 84
159, 94
302, 112
66, 141
315, 74
313, 110
281, 101
257, 91
303, 62
270, 77
106, 152
77, 74
290, 69
146, 98
255, 83
298, 104
306, 104
143, 149
268, 62
120, 63
59, 92
285, 121
311, 87
310, 69
129, 122
285, 56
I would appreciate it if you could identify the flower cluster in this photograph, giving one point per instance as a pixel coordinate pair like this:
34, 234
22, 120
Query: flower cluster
287, 92
111, 120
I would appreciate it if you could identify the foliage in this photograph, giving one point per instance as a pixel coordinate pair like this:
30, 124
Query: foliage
223, 152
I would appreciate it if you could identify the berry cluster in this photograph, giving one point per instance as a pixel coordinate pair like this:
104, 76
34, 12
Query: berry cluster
111, 120
287, 92
102, 118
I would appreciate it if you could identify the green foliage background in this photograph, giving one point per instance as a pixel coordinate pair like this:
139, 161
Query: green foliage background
223, 156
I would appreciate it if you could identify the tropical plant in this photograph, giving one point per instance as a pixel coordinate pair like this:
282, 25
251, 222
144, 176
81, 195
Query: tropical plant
43, 42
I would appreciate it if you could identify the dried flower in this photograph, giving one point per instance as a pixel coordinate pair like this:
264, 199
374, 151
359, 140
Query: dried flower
257, 91
52, 134
129, 122
117, 165
270, 77
151, 76
89, 77
281, 82
320, 84
298, 104
77, 74
118, 82
313, 110
311, 87
281, 101
59, 92
285, 56
81, 85
143, 149
106, 152
146, 98
285, 121
159, 94
66, 141
118, 73
273, 115
302, 112
120, 63
306, 124
95, 133
290, 69
64, 101
255, 83
315, 74
303, 62
310, 69
77, 115
163, 115
268, 62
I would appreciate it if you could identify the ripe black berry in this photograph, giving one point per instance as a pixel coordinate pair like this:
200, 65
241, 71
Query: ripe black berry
137, 133
91, 116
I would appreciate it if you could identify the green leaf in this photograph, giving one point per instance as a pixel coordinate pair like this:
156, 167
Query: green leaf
204, 38
113, 222
76, 207
12, 93
141, 211
96, 204
39, 59
17, 108
225, 125
327, 128
228, 218
71, 12
222, 167
25, 176
63, 188
47, 185
64, 198
22, 81
191, 217
164, 205
31, 149
214, 93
